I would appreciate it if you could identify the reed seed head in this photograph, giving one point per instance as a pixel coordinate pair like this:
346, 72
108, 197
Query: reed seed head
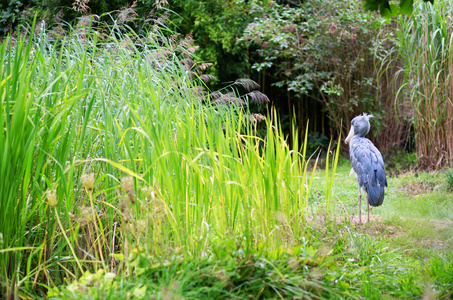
141, 226
149, 194
86, 215
52, 197
87, 181
128, 186
281, 217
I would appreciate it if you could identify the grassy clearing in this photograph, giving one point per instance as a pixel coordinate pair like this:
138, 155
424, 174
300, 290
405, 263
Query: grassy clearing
119, 180
418, 206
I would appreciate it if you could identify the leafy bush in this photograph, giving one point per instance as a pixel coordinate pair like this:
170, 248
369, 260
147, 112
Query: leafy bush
399, 162
317, 141
319, 48
325, 50
9, 14
216, 26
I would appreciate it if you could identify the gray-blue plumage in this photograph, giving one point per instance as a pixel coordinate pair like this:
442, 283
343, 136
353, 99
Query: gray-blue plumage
366, 161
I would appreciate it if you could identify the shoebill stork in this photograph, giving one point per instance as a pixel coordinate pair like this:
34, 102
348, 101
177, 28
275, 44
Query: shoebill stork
367, 163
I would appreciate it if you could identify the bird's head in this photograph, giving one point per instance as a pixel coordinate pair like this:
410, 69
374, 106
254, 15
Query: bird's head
360, 126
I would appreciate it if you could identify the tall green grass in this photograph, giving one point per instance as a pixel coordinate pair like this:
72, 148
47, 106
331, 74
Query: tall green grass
17, 141
108, 150
424, 42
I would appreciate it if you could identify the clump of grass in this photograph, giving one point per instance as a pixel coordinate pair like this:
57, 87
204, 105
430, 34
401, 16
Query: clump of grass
257, 276
449, 179
123, 152
424, 48
399, 162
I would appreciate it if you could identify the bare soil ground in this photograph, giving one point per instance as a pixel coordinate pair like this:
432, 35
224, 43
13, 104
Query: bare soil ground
373, 219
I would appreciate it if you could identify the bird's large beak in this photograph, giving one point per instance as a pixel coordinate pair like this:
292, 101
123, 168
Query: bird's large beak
350, 135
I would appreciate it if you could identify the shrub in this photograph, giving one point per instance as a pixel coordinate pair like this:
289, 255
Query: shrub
325, 50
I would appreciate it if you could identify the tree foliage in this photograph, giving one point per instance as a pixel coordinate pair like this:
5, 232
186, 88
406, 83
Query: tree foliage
322, 50
216, 25
390, 9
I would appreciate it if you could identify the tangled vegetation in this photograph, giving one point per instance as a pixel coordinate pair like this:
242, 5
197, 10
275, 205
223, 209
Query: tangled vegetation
332, 58
111, 144
124, 175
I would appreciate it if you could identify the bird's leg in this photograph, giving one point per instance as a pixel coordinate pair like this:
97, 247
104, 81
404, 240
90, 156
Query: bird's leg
368, 205
360, 206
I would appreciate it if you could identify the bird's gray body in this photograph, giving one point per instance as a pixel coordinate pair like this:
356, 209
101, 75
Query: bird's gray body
367, 161
368, 166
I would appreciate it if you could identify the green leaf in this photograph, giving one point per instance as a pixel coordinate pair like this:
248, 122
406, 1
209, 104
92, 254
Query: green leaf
394, 9
118, 256
140, 293
385, 10
310, 250
406, 7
